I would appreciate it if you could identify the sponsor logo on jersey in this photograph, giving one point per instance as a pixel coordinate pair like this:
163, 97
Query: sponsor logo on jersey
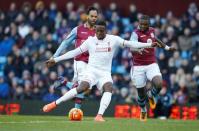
142, 36
84, 32
103, 49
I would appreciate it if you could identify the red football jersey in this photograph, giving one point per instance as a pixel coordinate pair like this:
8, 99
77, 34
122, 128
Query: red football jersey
147, 57
83, 33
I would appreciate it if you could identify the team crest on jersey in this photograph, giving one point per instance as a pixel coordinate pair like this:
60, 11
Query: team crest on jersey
152, 35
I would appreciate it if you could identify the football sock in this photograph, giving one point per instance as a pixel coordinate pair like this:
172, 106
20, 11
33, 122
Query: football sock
105, 101
69, 95
142, 103
69, 85
77, 105
78, 102
154, 91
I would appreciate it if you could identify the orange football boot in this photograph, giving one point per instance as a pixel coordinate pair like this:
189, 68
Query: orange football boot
143, 116
152, 102
99, 118
49, 107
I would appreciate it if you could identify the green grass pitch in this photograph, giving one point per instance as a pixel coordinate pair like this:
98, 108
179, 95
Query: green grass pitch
61, 123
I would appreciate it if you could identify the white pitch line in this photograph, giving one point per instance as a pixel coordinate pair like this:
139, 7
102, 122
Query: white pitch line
89, 121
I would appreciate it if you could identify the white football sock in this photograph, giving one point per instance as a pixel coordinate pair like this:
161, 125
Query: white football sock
105, 101
69, 95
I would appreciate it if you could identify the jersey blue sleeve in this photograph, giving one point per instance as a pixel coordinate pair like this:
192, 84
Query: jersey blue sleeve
134, 37
66, 42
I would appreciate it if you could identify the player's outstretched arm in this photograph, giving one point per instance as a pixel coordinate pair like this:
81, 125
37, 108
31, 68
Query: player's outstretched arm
68, 55
134, 37
136, 44
51, 62
66, 42
162, 45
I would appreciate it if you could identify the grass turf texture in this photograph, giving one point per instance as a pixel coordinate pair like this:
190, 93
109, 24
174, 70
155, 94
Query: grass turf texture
61, 123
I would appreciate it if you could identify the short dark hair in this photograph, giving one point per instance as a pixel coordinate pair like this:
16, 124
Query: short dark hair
101, 22
145, 17
91, 8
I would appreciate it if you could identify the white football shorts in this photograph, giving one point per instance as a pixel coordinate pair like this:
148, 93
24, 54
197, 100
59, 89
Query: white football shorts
140, 74
97, 77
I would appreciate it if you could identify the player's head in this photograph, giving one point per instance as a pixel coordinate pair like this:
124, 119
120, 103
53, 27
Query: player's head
101, 29
92, 14
144, 23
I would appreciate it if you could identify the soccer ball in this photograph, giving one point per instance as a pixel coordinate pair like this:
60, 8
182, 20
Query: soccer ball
75, 114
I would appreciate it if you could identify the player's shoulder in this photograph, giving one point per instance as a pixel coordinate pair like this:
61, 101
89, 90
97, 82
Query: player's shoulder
79, 27
136, 30
91, 38
74, 29
151, 29
109, 36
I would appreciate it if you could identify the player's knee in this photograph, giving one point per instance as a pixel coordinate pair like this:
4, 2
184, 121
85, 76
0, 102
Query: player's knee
158, 84
83, 87
108, 87
157, 81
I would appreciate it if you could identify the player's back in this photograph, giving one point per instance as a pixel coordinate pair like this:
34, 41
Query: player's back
148, 56
83, 33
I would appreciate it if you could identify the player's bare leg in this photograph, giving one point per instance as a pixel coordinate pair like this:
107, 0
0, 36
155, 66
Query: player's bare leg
157, 85
69, 95
105, 101
142, 103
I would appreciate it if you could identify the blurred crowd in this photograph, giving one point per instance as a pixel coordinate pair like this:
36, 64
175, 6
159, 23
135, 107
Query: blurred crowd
30, 34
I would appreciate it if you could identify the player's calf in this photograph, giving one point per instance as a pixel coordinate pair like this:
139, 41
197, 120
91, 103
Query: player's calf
157, 85
142, 103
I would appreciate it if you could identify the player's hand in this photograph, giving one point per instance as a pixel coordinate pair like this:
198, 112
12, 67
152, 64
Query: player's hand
155, 44
51, 62
140, 51
172, 49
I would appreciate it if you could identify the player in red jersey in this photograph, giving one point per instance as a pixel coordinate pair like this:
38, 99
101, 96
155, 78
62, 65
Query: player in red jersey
78, 34
145, 67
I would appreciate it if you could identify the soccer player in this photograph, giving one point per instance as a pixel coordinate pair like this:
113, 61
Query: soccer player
145, 66
98, 72
79, 34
